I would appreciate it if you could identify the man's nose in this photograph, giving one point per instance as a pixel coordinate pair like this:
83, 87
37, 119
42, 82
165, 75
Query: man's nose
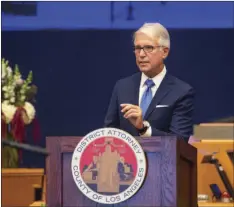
142, 53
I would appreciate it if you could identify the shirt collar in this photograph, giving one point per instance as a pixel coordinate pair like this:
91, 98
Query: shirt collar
156, 79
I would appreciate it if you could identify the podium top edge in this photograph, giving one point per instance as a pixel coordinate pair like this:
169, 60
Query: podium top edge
152, 137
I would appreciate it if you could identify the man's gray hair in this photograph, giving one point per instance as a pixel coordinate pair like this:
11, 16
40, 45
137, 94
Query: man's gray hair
155, 30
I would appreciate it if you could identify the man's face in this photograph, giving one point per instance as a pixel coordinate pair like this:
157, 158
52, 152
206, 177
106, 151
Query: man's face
151, 57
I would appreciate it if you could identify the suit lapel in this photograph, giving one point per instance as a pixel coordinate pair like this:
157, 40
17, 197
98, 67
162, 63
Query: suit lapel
163, 90
135, 90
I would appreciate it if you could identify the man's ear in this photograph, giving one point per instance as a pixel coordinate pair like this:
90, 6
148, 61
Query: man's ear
165, 52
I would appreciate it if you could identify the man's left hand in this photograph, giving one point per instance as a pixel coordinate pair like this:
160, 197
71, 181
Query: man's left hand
134, 114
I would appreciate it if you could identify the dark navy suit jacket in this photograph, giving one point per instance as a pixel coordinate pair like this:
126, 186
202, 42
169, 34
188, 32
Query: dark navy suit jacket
176, 119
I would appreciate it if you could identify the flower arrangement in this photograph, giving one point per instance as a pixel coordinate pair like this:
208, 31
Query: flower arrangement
17, 109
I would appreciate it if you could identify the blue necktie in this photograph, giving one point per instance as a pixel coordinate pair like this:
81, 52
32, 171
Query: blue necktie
147, 96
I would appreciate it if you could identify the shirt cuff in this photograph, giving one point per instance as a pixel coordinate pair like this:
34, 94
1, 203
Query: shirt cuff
148, 132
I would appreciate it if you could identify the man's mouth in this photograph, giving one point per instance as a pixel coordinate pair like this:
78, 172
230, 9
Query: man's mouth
143, 62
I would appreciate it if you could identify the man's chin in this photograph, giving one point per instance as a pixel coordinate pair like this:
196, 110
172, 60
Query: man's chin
144, 69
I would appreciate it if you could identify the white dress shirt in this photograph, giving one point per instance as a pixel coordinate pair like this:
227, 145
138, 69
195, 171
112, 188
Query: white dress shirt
157, 81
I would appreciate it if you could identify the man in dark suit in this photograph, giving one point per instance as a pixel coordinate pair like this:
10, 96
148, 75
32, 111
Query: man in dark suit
152, 102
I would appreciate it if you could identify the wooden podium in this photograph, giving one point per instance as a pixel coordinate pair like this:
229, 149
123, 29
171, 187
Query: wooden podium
171, 179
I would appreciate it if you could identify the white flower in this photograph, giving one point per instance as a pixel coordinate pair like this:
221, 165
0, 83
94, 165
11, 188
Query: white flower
22, 98
4, 88
6, 95
8, 91
9, 70
3, 70
12, 100
6, 71
30, 111
9, 111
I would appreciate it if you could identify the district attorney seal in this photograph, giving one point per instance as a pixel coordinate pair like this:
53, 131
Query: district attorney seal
108, 165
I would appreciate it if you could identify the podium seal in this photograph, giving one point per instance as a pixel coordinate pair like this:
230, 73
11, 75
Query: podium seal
108, 165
